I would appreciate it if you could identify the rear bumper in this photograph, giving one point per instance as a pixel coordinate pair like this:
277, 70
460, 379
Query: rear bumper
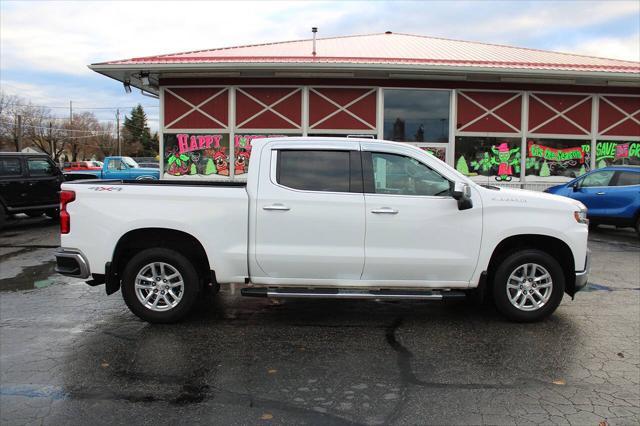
72, 263
583, 276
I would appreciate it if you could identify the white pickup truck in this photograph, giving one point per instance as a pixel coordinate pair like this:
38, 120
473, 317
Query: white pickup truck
330, 218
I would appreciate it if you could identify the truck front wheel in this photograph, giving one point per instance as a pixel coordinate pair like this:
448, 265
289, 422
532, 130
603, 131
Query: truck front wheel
528, 285
160, 285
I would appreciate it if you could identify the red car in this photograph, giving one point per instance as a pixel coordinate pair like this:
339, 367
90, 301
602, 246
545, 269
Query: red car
83, 165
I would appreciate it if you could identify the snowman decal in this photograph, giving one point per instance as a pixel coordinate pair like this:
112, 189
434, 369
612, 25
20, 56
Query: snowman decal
505, 159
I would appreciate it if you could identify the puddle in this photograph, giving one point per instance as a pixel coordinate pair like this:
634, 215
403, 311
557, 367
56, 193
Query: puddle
37, 276
601, 287
596, 287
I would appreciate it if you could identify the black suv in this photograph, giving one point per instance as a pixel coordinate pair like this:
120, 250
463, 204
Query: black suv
29, 183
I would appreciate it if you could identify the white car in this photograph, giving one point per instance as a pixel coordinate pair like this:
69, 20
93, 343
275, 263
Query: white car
330, 218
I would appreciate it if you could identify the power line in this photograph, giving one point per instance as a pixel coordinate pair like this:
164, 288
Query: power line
96, 132
76, 107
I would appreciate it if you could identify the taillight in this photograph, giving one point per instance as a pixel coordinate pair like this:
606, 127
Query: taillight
65, 220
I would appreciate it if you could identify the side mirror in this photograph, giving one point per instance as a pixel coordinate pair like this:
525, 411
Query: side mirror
575, 186
462, 193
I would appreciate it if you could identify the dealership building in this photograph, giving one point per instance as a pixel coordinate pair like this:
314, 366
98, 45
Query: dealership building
496, 113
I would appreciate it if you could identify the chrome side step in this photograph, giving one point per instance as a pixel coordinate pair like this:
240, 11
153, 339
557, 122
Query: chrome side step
329, 293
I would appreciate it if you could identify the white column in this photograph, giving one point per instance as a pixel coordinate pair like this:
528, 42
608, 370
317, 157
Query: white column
453, 119
161, 133
232, 130
524, 129
595, 111
380, 113
305, 110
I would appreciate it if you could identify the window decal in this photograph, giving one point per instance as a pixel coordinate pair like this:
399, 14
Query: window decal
617, 153
199, 155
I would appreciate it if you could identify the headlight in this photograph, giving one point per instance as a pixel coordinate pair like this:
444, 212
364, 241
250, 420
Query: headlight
581, 216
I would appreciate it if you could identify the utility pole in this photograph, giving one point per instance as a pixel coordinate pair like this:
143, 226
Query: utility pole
118, 131
70, 133
18, 132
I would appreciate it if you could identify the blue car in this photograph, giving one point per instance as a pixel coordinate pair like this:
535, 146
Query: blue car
612, 195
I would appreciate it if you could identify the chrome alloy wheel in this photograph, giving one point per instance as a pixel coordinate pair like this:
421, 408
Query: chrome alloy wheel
159, 286
529, 287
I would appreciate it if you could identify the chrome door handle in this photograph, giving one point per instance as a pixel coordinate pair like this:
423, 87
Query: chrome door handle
599, 193
384, 210
280, 207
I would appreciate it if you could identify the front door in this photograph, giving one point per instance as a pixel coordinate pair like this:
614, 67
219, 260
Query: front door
415, 231
592, 192
310, 217
14, 189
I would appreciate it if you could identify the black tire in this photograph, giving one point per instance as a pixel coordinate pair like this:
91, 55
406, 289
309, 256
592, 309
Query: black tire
508, 266
177, 261
34, 213
3, 217
638, 226
593, 226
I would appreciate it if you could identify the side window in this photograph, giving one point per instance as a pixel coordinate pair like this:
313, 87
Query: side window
400, 175
311, 170
628, 178
115, 164
38, 167
10, 167
601, 178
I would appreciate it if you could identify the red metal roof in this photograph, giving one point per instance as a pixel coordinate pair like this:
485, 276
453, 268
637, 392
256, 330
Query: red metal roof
393, 49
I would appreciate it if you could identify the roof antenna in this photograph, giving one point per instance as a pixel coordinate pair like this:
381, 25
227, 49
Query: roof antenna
314, 30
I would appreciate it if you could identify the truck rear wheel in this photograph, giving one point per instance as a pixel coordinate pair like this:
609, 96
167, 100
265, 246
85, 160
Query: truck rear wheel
528, 286
160, 285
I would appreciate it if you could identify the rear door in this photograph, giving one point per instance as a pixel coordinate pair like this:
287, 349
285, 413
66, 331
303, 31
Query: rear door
44, 181
592, 192
310, 215
13, 182
624, 196
415, 231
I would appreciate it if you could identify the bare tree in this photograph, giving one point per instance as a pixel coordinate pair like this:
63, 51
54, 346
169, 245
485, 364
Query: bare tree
8, 105
43, 131
105, 141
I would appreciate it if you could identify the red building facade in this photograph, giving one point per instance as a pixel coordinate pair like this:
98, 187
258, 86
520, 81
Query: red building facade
536, 119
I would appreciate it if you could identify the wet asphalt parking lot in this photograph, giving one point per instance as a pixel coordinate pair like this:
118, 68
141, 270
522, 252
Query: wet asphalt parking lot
71, 355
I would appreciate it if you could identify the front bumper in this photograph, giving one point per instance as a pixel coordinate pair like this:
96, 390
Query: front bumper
72, 263
583, 276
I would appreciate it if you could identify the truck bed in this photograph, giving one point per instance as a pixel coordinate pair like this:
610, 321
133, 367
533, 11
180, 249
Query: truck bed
104, 211
167, 182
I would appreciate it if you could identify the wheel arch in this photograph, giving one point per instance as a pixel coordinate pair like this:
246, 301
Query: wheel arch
142, 238
551, 245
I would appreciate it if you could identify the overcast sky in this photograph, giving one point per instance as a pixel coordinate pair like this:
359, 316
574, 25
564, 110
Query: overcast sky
46, 46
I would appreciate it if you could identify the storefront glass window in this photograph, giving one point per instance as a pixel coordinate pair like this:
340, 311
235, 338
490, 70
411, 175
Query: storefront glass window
487, 159
196, 155
440, 152
416, 115
556, 160
242, 150
610, 153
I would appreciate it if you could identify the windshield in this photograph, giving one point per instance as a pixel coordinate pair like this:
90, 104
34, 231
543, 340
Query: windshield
130, 162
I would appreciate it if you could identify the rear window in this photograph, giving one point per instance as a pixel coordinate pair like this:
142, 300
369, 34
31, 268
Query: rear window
10, 167
311, 170
628, 178
38, 167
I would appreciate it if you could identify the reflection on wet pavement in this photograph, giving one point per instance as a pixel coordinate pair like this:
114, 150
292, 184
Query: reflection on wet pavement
72, 355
